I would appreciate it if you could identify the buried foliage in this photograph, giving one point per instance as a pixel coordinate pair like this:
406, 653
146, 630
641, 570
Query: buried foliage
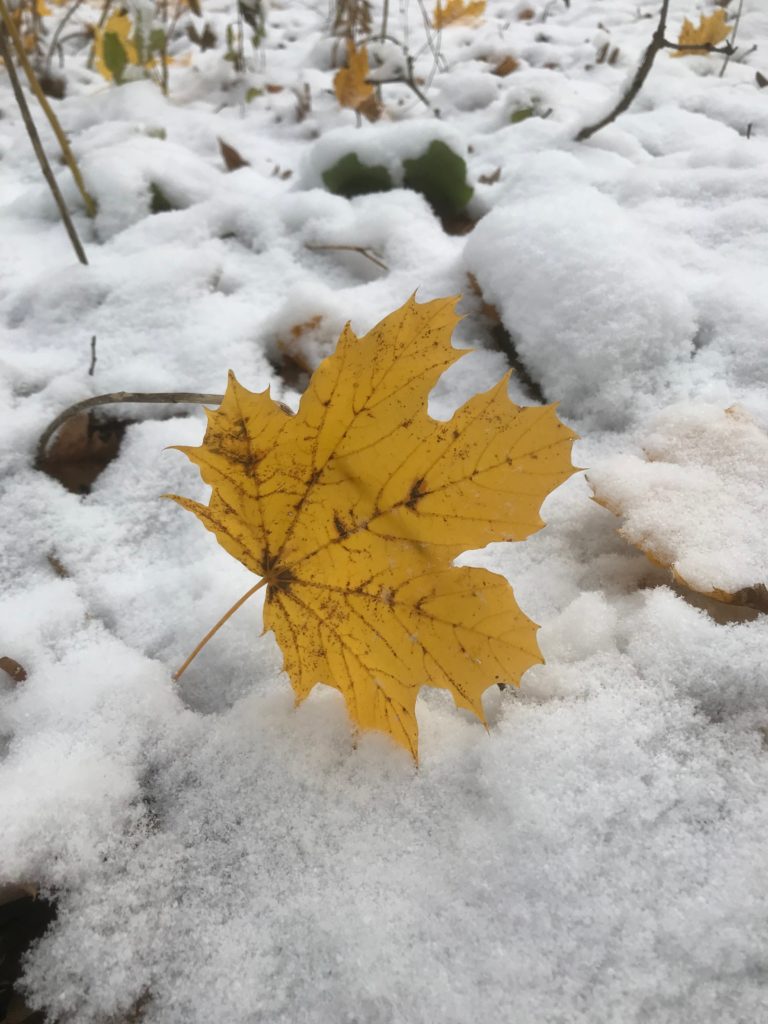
353, 510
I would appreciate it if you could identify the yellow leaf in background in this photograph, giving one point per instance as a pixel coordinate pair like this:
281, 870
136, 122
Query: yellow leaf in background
349, 83
353, 510
42, 8
457, 10
113, 48
711, 30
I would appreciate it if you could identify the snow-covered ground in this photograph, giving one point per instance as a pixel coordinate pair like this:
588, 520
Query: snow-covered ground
599, 855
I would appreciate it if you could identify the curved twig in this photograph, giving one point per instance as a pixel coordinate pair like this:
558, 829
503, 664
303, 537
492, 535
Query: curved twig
119, 398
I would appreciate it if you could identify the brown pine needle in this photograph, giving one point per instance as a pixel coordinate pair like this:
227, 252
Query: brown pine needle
211, 632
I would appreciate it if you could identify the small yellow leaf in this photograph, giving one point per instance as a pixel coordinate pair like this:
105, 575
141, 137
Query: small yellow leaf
42, 8
350, 84
457, 10
711, 30
113, 48
354, 509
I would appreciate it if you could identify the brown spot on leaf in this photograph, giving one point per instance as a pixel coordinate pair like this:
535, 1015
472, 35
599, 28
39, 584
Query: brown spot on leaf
415, 493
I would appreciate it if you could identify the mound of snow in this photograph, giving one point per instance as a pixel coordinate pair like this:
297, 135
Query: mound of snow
593, 308
700, 502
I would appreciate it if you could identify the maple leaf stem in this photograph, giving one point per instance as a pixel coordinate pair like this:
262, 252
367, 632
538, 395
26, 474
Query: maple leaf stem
211, 632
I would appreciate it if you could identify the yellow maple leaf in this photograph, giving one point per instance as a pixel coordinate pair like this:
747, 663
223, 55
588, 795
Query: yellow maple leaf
352, 511
711, 30
349, 83
457, 10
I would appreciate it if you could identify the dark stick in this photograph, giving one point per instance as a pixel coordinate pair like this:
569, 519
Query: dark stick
34, 138
92, 367
657, 43
732, 40
727, 48
120, 397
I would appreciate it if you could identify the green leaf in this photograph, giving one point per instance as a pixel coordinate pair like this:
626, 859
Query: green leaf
156, 40
521, 115
115, 56
158, 200
441, 177
348, 177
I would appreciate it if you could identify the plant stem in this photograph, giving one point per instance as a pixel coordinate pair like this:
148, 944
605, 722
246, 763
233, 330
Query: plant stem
362, 249
100, 26
211, 632
656, 44
34, 85
118, 397
34, 138
57, 34
732, 40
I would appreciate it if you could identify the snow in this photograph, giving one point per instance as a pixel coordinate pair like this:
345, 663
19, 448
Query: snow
699, 503
594, 311
215, 853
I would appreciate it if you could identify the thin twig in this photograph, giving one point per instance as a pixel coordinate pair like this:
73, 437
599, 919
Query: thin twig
118, 398
100, 25
362, 250
404, 80
732, 40
430, 40
726, 49
657, 43
211, 632
92, 367
57, 33
36, 88
34, 138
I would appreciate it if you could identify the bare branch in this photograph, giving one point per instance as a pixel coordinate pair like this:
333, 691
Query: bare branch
657, 43
732, 40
